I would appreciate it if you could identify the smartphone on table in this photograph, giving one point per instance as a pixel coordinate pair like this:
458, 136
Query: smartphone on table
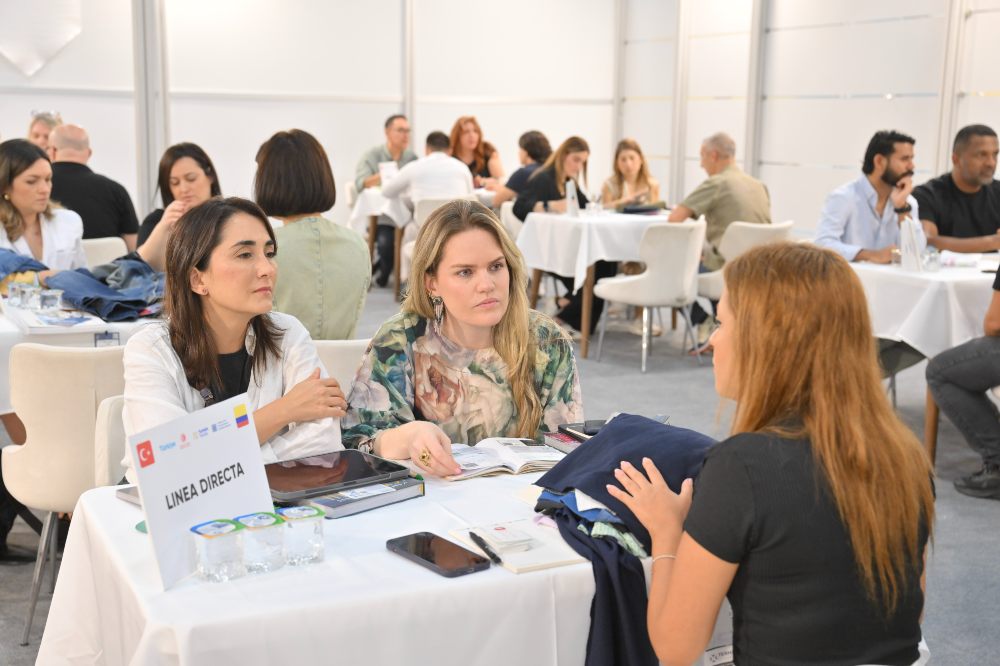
438, 554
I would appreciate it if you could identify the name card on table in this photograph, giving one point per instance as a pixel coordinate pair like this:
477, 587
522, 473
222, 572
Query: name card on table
201, 466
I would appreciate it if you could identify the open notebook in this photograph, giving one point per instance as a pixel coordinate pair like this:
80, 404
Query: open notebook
503, 455
546, 549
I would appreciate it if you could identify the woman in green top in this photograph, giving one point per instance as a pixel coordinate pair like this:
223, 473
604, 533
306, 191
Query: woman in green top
325, 268
466, 359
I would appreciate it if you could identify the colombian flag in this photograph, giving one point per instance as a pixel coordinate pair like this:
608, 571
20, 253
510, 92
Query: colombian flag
240, 412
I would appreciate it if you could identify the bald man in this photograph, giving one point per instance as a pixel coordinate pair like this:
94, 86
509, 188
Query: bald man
104, 205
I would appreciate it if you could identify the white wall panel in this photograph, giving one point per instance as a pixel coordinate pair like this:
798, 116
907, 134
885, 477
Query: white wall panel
856, 59
792, 13
649, 124
651, 19
797, 193
718, 65
978, 110
720, 16
836, 132
503, 124
649, 69
981, 51
99, 57
351, 48
522, 48
345, 130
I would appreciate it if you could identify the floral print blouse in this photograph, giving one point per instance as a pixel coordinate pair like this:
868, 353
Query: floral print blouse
413, 372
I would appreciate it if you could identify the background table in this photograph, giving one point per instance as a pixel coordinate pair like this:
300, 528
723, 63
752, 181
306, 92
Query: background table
570, 246
362, 605
11, 334
931, 312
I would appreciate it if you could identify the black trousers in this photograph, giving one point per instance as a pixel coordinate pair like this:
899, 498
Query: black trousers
385, 242
573, 312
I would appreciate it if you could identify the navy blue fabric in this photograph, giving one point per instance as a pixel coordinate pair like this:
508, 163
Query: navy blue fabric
677, 452
555, 500
618, 632
12, 262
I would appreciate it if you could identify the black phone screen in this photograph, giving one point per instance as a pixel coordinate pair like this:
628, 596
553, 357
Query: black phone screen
437, 554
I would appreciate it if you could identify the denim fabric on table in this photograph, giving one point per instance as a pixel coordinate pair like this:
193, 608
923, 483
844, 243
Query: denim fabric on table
83, 292
959, 379
677, 453
131, 272
549, 500
12, 262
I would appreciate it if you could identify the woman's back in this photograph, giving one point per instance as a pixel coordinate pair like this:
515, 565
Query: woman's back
323, 276
797, 597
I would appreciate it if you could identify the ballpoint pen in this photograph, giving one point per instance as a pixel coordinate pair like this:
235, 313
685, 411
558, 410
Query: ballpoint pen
481, 542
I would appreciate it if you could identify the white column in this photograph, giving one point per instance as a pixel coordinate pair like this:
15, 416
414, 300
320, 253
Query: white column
755, 88
678, 133
409, 106
957, 20
152, 111
618, 92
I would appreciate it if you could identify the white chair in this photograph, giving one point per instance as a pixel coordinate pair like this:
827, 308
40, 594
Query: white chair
109, 442
510, 221
422, 209
737, 239
342, 358
671, 252
56, 392
103, 250
352, 195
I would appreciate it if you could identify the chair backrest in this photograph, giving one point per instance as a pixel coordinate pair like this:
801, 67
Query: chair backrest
672, 253
510, 221
423, 208
341, 358
56, 392
109, 442
352, 194
741, 236
103, 250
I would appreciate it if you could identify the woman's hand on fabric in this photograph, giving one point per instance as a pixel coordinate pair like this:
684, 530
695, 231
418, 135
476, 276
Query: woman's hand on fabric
315, 398
655, 505
422, 442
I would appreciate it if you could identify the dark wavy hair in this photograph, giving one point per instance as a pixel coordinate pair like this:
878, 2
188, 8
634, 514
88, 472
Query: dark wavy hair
197, 234
170, 157
16, 157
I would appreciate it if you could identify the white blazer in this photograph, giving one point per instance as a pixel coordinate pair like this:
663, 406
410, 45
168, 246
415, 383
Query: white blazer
62, 241
157, 390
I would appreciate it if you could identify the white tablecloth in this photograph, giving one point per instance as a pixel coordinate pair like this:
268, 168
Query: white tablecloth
363, 605
11, 335
931, 312
568, 245
370, 202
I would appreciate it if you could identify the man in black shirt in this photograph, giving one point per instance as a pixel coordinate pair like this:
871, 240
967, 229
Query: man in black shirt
961, 209
104, 205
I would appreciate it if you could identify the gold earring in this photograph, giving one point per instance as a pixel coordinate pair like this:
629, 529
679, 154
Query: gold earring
6, 197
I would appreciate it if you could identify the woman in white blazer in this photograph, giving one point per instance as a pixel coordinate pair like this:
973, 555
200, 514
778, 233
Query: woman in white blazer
221, 339
31, 226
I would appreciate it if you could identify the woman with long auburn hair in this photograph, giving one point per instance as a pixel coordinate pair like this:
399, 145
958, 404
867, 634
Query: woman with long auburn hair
814, 515
220, 339
482, 158
466, 359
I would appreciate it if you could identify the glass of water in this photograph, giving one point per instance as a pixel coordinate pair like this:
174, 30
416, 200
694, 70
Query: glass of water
304, 539
219, 550
31, 295
14, 293
263, 541
50, 299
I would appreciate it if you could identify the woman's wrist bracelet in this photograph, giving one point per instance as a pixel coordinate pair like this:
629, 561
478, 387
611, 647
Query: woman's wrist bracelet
664, 557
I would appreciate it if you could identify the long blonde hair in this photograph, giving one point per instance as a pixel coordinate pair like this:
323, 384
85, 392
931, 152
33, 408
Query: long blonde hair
642, 178
512, 337
556, 160
804, 353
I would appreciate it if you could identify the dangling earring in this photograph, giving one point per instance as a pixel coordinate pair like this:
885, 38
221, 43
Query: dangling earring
438, 304
6, 197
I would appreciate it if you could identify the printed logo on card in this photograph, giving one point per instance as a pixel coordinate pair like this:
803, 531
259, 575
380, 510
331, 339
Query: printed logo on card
145, 451
240, 412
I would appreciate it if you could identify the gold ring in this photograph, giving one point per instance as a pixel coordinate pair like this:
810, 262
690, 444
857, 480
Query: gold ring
425, 457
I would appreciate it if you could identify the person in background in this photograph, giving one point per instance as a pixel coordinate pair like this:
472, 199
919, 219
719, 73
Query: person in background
817, 511
860, 219
546, 192
960, 380
466, 359
220, 339
395, 149
104, 205
325, 267
186, 179
482, 158
41, 126
34, 227
960, 210
532, 150
631, 183
436, 175
726, 196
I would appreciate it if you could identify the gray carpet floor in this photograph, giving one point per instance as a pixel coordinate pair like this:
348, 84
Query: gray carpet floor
961, 616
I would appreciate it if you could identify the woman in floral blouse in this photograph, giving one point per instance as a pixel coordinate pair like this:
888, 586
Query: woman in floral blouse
466, 358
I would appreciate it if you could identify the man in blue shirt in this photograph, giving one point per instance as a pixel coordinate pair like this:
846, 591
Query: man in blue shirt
860, 219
